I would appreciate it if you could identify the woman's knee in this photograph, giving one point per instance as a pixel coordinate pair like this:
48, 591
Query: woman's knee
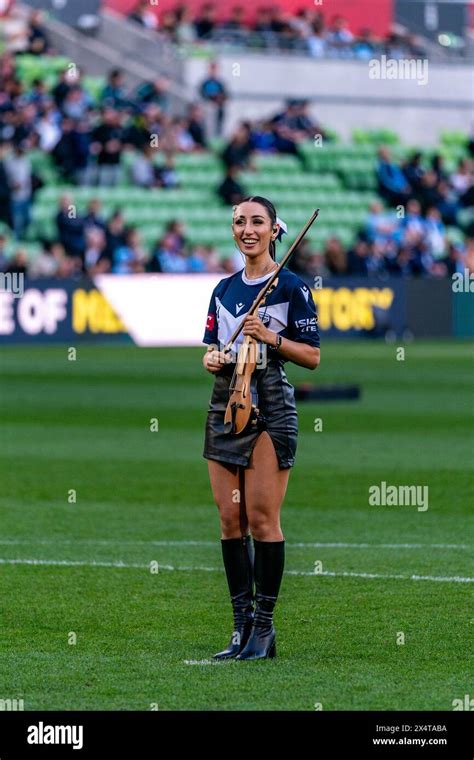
233, 522
265, 527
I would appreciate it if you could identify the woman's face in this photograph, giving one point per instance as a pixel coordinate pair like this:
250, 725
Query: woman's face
252, 228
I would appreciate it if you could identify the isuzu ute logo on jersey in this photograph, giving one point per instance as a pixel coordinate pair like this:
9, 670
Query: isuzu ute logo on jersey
239, 307
306, 325
210, 322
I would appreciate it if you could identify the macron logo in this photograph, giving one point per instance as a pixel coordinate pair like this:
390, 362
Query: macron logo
239, 307
305, 292
42, 734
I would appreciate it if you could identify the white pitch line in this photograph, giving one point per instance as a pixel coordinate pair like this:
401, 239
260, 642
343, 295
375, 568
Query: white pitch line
127, 565
299, 545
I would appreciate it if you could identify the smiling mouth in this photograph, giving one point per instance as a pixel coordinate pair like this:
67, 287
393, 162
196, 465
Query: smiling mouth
249, 242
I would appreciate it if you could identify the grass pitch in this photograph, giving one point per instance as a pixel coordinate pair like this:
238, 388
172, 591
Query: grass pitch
87, 625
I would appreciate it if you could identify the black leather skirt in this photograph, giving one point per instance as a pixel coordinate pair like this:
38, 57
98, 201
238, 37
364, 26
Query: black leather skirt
275, 399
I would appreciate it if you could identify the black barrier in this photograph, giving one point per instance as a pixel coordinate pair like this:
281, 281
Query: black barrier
57, 311
355, 307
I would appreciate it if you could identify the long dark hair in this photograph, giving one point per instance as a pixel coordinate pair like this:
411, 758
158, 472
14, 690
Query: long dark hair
271, 213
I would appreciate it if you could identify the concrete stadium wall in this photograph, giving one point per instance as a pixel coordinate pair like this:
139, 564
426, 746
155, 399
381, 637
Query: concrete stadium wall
343, 96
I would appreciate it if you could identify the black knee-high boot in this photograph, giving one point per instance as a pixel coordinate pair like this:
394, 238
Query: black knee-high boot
238, 556
268, 571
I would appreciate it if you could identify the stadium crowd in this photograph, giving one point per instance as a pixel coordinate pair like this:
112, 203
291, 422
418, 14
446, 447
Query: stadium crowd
306, 31
88, 137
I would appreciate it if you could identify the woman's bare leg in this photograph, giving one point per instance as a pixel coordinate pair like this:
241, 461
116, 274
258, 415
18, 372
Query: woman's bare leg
265, 488
227, 484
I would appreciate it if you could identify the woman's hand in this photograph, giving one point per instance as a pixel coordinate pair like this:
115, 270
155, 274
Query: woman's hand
254, 327
213, 360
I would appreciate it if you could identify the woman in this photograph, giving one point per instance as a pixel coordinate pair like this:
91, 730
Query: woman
249, 471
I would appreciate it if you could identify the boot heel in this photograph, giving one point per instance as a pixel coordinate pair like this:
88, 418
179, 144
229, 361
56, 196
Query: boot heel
273, 650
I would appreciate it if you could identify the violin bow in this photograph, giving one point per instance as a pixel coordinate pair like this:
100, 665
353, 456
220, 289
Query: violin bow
258, 300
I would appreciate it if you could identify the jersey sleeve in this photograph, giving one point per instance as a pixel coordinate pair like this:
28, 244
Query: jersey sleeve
302, 316
210, 332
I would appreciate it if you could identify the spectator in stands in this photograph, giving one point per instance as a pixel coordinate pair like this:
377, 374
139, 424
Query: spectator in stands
413, 221
233, 30
405, 264
175, 230
130, 257
358, 258
301, 23
213, 91
67, 80
114, 234
335, 256
47, 263
71, 153
94, 217
196, 126
96, 260
48, 129
38, 94
365, 45
230, 190
316, 41
185, 31
263, 27
166, 173
143, 172
77, 103
71, 228
113, 94
24, 126
413, 171
448, 204
4, 259
14, 30
304, 127
18, 264
155, 92
19, 172
181, 136
144, 15
462, 179
5, 191
169, 25
238, 151
380, 225
437, 164
196, 260
435, 235
277, 20
167, 257
286, 132
428, 194
262, 137
302, 259
339, 36
392, 183
38, 43
106, 146
205, 22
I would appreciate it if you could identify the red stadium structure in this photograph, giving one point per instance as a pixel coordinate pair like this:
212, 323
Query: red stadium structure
365, 13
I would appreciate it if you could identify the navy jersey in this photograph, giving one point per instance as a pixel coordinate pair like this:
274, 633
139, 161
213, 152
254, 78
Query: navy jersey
289, 310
